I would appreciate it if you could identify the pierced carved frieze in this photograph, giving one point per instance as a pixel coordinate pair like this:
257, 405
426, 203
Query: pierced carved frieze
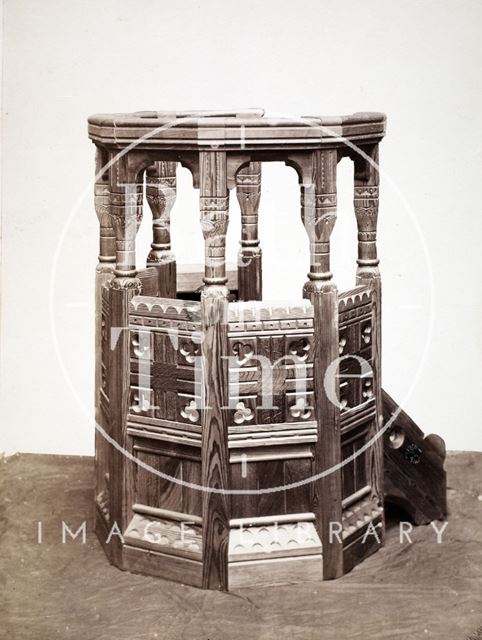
273, 541
358, 516
166, 536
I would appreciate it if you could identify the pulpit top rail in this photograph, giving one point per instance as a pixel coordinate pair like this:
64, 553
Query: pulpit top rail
231, 130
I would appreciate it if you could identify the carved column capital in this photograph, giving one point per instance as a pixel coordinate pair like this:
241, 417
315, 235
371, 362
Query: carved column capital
365, 202
248, 192
102, 209
125, 210
214, 209
161, 195
318, 212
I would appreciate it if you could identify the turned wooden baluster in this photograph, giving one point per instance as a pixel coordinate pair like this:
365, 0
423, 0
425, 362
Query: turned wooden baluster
102, 196
248, 191
126, 213
366, 193
214, 205
318, 202
161, 195
366, 211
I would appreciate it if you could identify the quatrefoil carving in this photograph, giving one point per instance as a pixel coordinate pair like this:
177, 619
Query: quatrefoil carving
301, 409
243, 413
341, 345
141, 346
142, 402
367, 389
190, 412
190, 350
243, 352
300, 348
367, 334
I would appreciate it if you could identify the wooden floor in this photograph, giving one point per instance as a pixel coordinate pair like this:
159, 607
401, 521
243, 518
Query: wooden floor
54, 590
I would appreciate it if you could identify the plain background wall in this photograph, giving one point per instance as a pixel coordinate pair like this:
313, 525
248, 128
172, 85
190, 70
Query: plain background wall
418, 61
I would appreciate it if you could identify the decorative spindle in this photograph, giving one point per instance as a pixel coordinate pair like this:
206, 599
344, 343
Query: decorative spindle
366, 211
126, 214
102, 195
214, 206
318, 211
161, 195
248, 191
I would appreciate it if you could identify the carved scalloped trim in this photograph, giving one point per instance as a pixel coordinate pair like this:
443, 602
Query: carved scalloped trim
257, 311
354, 298
159, 307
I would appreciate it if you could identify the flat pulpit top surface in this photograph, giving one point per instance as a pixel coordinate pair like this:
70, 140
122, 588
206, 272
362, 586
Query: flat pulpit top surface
231, 129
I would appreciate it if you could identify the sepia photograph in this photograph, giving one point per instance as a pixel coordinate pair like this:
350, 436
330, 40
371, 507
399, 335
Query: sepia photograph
241, 320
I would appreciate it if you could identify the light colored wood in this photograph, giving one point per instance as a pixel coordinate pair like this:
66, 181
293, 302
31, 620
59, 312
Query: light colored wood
266, 573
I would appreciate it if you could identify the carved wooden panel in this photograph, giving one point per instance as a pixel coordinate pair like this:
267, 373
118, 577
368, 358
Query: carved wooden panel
271, 364
165, 344
357, 397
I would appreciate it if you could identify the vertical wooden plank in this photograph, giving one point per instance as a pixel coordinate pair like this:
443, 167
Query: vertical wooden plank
248, 191
161, 195
298, 499
191, 498
348, 472
120, 475
244, 478
319, 215
270, 475
214, 203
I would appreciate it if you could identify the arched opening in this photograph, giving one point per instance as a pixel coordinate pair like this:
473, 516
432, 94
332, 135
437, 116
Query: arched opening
343, 241
284, 241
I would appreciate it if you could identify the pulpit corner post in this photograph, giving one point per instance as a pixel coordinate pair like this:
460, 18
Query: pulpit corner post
318, 206
214, 209
366, 204
126, 195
